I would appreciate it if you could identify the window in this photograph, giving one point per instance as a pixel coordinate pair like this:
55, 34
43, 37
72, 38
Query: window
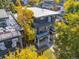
14, 42
49, 19
8, 44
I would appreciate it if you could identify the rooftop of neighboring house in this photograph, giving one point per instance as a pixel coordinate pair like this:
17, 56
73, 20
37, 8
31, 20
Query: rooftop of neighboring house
3, 14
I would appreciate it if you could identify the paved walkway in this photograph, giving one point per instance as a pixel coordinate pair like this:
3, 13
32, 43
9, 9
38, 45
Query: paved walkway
51, 48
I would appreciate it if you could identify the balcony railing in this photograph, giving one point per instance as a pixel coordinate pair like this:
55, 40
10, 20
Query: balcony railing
41, 23
42, 34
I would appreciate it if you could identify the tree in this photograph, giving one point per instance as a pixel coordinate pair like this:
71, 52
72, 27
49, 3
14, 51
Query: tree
49, 54
34, 2
58, 1
4, 3
12, 7
71, 6
7, 4
68, 34
26, 53
67, 40
25, 20
23, 54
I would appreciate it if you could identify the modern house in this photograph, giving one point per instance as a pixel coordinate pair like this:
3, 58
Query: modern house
9, 36
43, 23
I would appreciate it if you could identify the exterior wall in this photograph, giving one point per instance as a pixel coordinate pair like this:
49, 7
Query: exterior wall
9, 45
46, 24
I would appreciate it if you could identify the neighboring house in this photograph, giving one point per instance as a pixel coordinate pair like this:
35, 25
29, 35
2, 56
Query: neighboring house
51, 5
9, 36
48, 5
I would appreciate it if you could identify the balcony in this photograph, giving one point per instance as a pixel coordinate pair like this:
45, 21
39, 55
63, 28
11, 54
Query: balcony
41, 35
41, 23
42, 40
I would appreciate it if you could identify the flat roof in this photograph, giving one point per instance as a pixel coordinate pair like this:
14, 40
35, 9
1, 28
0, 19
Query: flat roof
40, 12
3, 13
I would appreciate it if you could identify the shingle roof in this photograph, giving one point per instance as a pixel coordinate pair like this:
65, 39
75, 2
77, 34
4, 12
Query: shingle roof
3, 13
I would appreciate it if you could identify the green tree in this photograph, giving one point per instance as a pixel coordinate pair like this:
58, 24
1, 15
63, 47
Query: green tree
67, 36
67, 40
71, 6
12, 8
7, 4
50, 54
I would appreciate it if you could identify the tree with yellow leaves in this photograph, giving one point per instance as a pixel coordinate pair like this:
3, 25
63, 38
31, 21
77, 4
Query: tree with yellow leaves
25, 20
23, 54
26, 53
57, 1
